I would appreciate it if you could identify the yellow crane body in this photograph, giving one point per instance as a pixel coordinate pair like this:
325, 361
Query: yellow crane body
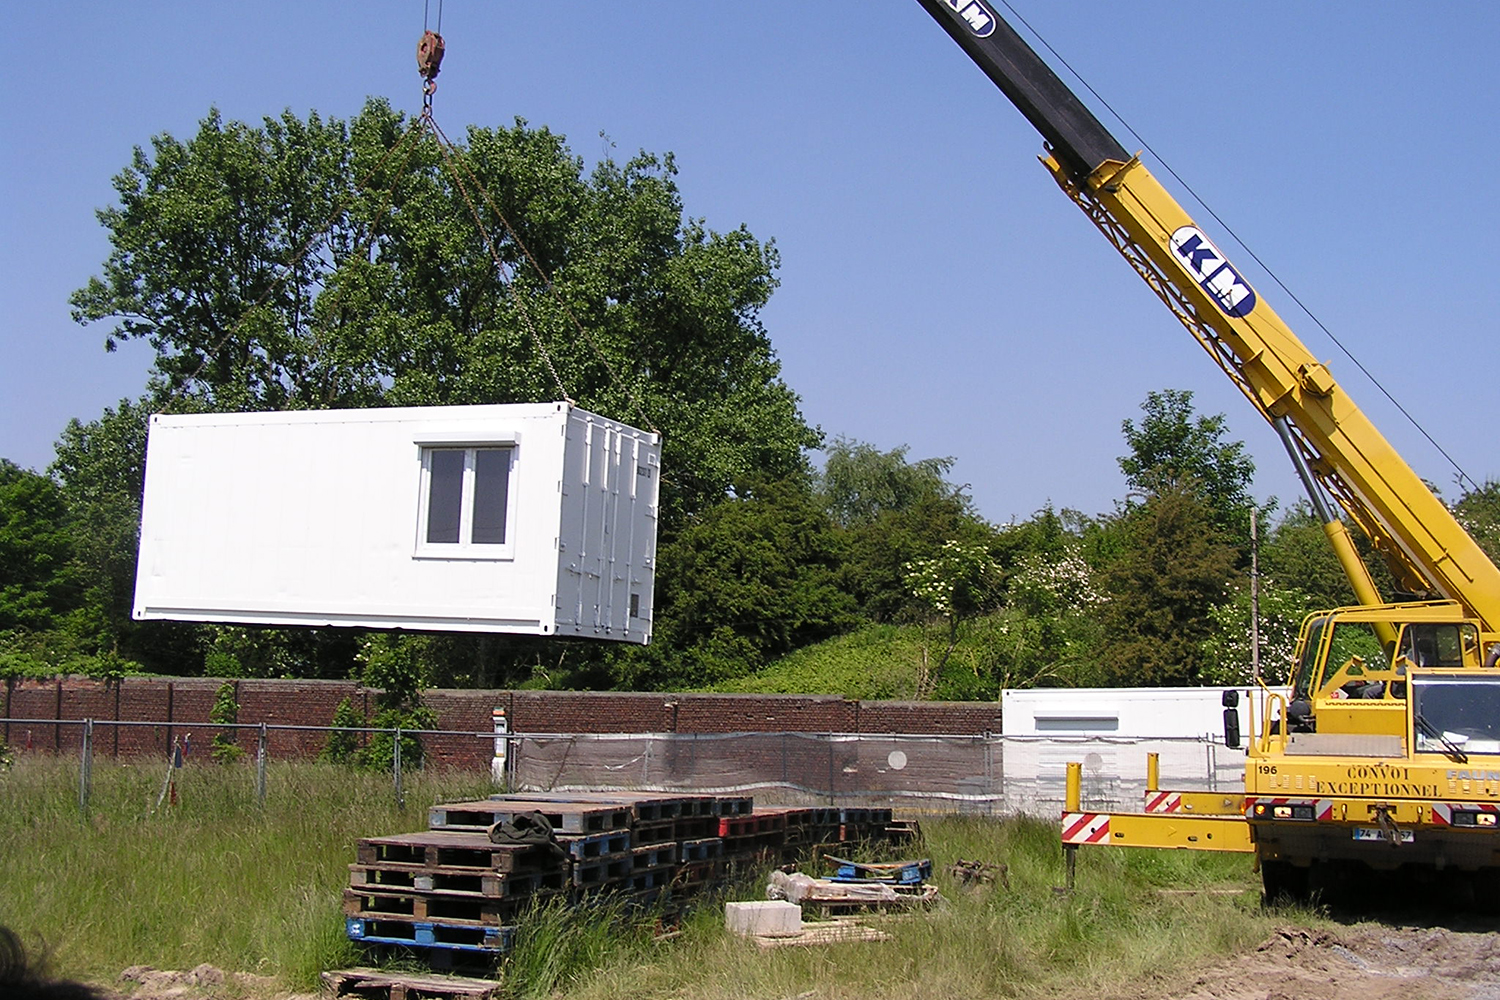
1386, 754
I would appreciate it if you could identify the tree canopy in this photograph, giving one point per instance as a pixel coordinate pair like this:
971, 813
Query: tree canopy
1174, 449
311, 262
314, 263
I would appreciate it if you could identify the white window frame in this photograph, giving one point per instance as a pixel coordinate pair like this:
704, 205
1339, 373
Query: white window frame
465, 548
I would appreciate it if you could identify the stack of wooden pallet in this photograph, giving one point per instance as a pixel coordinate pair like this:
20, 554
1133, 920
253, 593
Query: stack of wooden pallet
458, 897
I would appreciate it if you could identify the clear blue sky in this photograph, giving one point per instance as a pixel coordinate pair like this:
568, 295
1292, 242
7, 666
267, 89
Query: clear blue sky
937, 290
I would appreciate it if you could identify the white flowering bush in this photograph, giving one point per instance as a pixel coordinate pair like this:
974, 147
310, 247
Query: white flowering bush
1227, 649
959, 580
1057, 586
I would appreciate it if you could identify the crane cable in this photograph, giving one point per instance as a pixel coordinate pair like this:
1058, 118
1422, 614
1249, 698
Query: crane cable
430, 50
427, 65
1462, 475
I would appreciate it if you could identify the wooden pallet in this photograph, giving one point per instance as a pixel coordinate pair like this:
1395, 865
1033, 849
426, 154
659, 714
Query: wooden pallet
458, 881
585, 846
565, 817
448, 907
450, 849
373, 984
605, 870
480, 939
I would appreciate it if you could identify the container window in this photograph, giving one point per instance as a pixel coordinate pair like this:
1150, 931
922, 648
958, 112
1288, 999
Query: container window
466, 501
491, 493
445, 495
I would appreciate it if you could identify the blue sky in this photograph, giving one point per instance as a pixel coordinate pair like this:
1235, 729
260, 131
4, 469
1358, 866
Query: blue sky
937, 290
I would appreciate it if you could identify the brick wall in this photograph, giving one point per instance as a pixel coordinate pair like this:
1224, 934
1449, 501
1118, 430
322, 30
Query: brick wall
179, 706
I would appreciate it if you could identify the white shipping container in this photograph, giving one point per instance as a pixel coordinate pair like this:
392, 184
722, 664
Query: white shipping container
538, 519
1164, 712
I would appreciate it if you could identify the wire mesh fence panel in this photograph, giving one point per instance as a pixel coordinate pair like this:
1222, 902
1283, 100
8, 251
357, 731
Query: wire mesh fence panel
913, 773
989, 774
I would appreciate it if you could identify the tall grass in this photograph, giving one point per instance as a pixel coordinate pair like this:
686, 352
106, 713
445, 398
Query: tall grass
217, 879
989, 941
213, 879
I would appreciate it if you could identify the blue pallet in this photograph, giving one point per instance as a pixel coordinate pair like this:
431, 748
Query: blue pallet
910, 873
425, 934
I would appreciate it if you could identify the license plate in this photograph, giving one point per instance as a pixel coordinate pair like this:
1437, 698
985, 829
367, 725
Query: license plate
1375, 834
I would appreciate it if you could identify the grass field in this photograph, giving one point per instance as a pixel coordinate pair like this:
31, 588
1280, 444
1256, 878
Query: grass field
217, 879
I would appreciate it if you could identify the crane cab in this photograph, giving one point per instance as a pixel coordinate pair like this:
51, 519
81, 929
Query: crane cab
1353, 665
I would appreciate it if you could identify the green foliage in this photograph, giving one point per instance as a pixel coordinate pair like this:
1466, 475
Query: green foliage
559, 945
748, 580
342, 747
891, 511
859, 483
1478, 510
956, 582
215, 878
400, 666
873, 662
1051, 620
225, 747
379, 754
1227, 655
1174, 569
38, 583
1173, 450
402, 304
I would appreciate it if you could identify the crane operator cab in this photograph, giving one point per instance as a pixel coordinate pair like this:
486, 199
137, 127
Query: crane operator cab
1355, 668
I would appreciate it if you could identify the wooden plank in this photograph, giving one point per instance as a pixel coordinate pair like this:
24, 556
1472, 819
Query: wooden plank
449, 849
373, 983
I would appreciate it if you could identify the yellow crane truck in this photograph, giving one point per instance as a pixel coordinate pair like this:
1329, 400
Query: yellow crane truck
1386, 751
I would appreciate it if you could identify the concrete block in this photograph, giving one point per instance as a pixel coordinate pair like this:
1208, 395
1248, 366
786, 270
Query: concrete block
767, 917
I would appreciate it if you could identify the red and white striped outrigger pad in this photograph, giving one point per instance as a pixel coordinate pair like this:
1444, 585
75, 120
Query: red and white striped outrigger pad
1085, 828
1163, 802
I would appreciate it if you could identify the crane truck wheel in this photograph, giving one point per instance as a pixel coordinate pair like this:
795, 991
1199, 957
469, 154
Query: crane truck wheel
1283, 882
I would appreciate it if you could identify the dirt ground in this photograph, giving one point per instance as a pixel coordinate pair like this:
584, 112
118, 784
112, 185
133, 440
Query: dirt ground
1363, 961
1357, 961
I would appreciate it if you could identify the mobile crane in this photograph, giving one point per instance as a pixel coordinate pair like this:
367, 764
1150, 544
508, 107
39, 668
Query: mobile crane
1387, 751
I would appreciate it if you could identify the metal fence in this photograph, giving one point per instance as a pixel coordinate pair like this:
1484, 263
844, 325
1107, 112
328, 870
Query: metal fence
916, 773
988, 774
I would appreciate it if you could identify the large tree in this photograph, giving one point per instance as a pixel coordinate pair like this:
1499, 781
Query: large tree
1173, 448
313, 263
37, 579
751, 579
319, 263
1174, 568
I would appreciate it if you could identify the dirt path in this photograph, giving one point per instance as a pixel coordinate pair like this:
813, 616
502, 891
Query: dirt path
1363, 961
1356, 961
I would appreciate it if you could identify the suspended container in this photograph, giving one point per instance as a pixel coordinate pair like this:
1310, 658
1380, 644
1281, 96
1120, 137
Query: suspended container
536, 519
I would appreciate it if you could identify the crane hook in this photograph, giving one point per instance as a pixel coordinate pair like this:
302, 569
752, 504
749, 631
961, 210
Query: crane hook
429, 62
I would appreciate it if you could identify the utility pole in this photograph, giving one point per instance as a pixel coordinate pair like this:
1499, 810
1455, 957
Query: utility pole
1254, 594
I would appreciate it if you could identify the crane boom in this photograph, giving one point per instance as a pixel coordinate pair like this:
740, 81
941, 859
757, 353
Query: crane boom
1331, 440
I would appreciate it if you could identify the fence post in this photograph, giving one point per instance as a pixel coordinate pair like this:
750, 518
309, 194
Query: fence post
260, 767
396, 768
86, 768
832, 801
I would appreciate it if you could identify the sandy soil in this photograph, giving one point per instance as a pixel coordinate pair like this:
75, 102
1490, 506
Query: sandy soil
1357, 961
1365, 961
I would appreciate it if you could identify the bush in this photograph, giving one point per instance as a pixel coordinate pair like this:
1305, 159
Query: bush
226, 712
342, 747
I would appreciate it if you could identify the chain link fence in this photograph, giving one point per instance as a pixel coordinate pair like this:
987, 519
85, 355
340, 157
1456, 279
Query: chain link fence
932, 774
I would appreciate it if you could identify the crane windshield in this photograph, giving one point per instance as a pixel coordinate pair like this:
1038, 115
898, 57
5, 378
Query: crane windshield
1464, 711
